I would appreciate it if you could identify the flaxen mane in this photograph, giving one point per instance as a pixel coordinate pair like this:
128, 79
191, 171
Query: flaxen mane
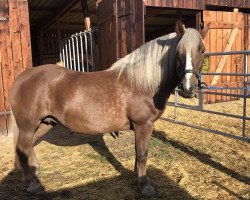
143, 66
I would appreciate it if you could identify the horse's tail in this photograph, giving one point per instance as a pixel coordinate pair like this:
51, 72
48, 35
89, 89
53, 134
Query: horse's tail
15, 132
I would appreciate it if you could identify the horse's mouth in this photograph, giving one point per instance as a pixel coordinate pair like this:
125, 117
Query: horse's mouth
186, 94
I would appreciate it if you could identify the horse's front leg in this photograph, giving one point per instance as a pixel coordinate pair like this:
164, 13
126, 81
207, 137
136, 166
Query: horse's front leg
142, 139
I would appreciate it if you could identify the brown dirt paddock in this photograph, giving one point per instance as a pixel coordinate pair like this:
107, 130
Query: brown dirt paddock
184, 163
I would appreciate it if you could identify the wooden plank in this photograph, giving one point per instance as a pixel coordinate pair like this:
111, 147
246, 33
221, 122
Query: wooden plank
138, 27
15, 37
3, 131
5, 67
224, 58
108, 30
219, 42
226, 25
228, 63
23, 12
124, 27
6, 77
212, 48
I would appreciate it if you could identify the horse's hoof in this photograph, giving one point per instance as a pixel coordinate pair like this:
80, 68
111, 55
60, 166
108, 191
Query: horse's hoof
148, 191
35, 188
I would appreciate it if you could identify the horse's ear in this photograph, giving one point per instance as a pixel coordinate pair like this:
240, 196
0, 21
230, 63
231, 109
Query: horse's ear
179, 28
204, 31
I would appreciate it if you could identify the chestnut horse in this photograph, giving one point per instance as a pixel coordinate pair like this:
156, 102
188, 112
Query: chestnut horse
131, 94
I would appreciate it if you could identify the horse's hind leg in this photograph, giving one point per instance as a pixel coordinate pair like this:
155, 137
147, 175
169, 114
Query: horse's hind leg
27, 157
142, 139
24, 150
40, 132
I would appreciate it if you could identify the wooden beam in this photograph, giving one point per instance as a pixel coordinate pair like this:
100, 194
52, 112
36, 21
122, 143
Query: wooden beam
41, 9
85, 10
91, 12
154, 13
228, 25
58, 13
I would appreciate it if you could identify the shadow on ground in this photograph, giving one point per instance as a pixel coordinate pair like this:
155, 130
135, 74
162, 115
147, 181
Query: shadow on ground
60, 136
202, 157
119, 187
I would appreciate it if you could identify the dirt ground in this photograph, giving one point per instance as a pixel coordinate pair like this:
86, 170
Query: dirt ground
184, 163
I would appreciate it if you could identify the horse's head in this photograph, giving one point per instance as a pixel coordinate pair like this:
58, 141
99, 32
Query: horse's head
189, 57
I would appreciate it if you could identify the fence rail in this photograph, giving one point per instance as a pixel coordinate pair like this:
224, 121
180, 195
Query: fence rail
212, 90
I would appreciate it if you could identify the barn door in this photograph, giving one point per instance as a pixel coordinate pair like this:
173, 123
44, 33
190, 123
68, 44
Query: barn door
226, 34
121, 24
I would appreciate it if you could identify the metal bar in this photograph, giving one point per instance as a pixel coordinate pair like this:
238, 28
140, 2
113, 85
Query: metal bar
70, 55
91, 50
226, 53
63, 53
245, 96
226, 88
60, 50
222, 94
175, 104
74, 53
201, 96
224, 74
195, 108
82, 53
86, 50
67, 54
225, 94
77, 54
246, 139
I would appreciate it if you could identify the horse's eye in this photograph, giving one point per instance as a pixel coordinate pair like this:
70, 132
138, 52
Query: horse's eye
202, 51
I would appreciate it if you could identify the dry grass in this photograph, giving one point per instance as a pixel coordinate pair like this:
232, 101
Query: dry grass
184, 163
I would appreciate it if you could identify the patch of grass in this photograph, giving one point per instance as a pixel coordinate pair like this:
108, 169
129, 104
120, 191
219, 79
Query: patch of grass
98, 157
159, 149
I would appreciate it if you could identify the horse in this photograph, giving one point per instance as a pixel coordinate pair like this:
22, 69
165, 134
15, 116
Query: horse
130, 95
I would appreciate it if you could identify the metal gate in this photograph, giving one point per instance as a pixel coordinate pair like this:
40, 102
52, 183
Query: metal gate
243, 93
78, 52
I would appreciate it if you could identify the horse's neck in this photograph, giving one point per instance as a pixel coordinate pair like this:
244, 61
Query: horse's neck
165, 90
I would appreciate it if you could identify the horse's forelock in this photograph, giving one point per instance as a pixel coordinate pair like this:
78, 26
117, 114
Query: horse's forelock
190, 41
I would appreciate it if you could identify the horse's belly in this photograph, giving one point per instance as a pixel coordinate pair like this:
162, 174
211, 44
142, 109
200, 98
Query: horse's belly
99, 123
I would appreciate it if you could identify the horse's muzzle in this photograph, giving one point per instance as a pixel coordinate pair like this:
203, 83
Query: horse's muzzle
187, 93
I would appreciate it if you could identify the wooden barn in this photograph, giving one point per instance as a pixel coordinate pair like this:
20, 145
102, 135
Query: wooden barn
30, 32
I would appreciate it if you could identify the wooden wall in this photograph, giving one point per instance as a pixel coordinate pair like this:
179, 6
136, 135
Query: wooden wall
15, 51
198, 4
121, 25
226, 34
